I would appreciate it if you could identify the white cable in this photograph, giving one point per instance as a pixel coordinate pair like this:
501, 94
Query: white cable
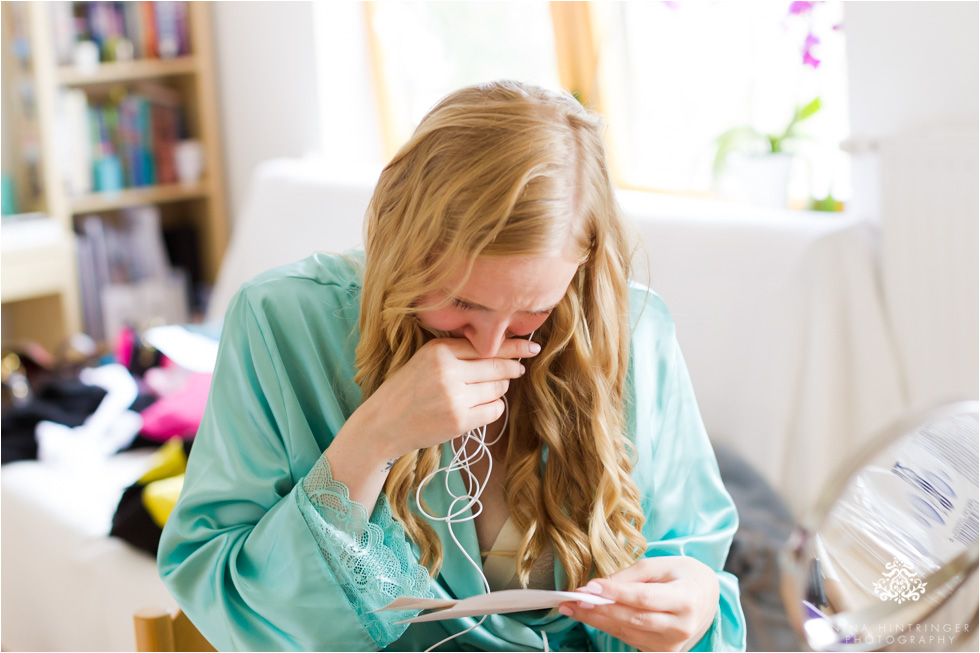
461, 462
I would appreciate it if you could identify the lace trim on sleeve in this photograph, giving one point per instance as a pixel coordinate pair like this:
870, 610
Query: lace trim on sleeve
371, 559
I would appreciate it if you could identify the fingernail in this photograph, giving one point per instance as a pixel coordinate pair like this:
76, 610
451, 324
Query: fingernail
535, 348
565, 611
593, 588
522, 369
585, 605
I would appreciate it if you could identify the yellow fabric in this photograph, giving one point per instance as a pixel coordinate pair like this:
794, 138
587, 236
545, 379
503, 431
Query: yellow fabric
160, 496
163, 481
169, 460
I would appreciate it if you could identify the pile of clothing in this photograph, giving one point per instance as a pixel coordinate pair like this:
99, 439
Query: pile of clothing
137, 397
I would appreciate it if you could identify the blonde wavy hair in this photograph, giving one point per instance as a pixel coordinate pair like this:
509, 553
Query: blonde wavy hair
508, 169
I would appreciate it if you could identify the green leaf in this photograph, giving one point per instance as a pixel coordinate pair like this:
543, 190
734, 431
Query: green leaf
799, 115
826, 204
809, 109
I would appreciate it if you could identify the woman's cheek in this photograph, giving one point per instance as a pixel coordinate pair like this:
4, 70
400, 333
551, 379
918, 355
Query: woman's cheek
525, 326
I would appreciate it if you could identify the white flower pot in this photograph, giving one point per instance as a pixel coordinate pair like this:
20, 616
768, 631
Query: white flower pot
762, 179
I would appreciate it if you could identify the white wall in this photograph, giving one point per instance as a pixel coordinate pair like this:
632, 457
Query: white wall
914, 82
351, 135
910, 65
266, 69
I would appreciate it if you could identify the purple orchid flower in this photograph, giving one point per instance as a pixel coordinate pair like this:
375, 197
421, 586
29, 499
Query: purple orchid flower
796, 8
808, 44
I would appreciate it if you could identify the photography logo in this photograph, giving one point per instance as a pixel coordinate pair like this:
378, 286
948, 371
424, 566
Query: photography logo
899, 583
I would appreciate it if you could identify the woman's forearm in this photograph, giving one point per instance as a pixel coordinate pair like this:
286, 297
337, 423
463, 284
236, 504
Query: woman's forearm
359, 461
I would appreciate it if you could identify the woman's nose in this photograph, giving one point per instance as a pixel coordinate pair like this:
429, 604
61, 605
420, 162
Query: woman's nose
487, 338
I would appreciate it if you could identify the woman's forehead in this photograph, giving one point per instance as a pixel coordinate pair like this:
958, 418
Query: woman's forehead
512, 283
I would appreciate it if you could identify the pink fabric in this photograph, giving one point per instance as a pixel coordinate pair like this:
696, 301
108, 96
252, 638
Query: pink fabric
180, 413
124, 346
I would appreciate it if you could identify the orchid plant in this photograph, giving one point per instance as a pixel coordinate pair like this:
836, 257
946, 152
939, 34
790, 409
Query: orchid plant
749, 140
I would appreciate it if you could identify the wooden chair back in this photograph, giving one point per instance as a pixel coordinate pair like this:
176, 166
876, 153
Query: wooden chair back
159, 630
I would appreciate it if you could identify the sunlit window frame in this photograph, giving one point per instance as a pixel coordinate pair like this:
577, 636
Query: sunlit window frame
577, 56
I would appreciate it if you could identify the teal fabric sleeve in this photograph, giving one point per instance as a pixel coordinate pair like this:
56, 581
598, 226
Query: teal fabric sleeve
371, 559
238, 552
687, 508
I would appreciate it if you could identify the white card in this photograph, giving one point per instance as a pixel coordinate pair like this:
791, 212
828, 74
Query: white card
412, 603
493, 603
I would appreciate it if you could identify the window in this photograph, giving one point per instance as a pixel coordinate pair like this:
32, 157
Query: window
675, 76
424, 50
670, 77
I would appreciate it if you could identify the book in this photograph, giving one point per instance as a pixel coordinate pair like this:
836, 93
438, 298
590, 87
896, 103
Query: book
63, 27
148, 255
168, 39
134, 28
140, 129
155, 29
98, 268
183, 27
88, 287
149, 28
125, 274
78, 142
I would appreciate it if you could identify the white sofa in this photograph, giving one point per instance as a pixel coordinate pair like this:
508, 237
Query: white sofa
778, 316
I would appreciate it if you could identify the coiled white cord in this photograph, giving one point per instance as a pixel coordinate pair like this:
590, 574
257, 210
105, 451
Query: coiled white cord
461, 462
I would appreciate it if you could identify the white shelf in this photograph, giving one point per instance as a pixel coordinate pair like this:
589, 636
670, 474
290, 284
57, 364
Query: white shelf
38, 259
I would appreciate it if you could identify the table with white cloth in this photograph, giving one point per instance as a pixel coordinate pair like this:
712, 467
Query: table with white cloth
780, 319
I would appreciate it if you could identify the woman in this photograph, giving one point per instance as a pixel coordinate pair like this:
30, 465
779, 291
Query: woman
339, 380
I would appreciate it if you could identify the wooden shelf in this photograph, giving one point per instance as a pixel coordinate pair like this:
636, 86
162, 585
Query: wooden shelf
41, 282
124, 71
95, 202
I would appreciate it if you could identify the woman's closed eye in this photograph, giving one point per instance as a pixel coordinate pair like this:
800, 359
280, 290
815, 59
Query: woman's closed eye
459, 303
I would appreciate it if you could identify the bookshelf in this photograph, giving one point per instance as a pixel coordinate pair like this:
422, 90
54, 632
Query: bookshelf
41, 294
98, 202
125, 71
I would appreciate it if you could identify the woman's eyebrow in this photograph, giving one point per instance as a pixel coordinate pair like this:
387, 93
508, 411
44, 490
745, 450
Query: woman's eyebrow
484, 308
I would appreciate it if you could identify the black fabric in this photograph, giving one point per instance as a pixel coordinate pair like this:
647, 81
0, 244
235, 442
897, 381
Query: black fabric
182, 248
132, 523
143, 401
765, 523
142, 442
63, 401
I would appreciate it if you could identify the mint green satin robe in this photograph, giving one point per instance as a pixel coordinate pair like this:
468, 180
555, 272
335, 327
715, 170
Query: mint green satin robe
249, 559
